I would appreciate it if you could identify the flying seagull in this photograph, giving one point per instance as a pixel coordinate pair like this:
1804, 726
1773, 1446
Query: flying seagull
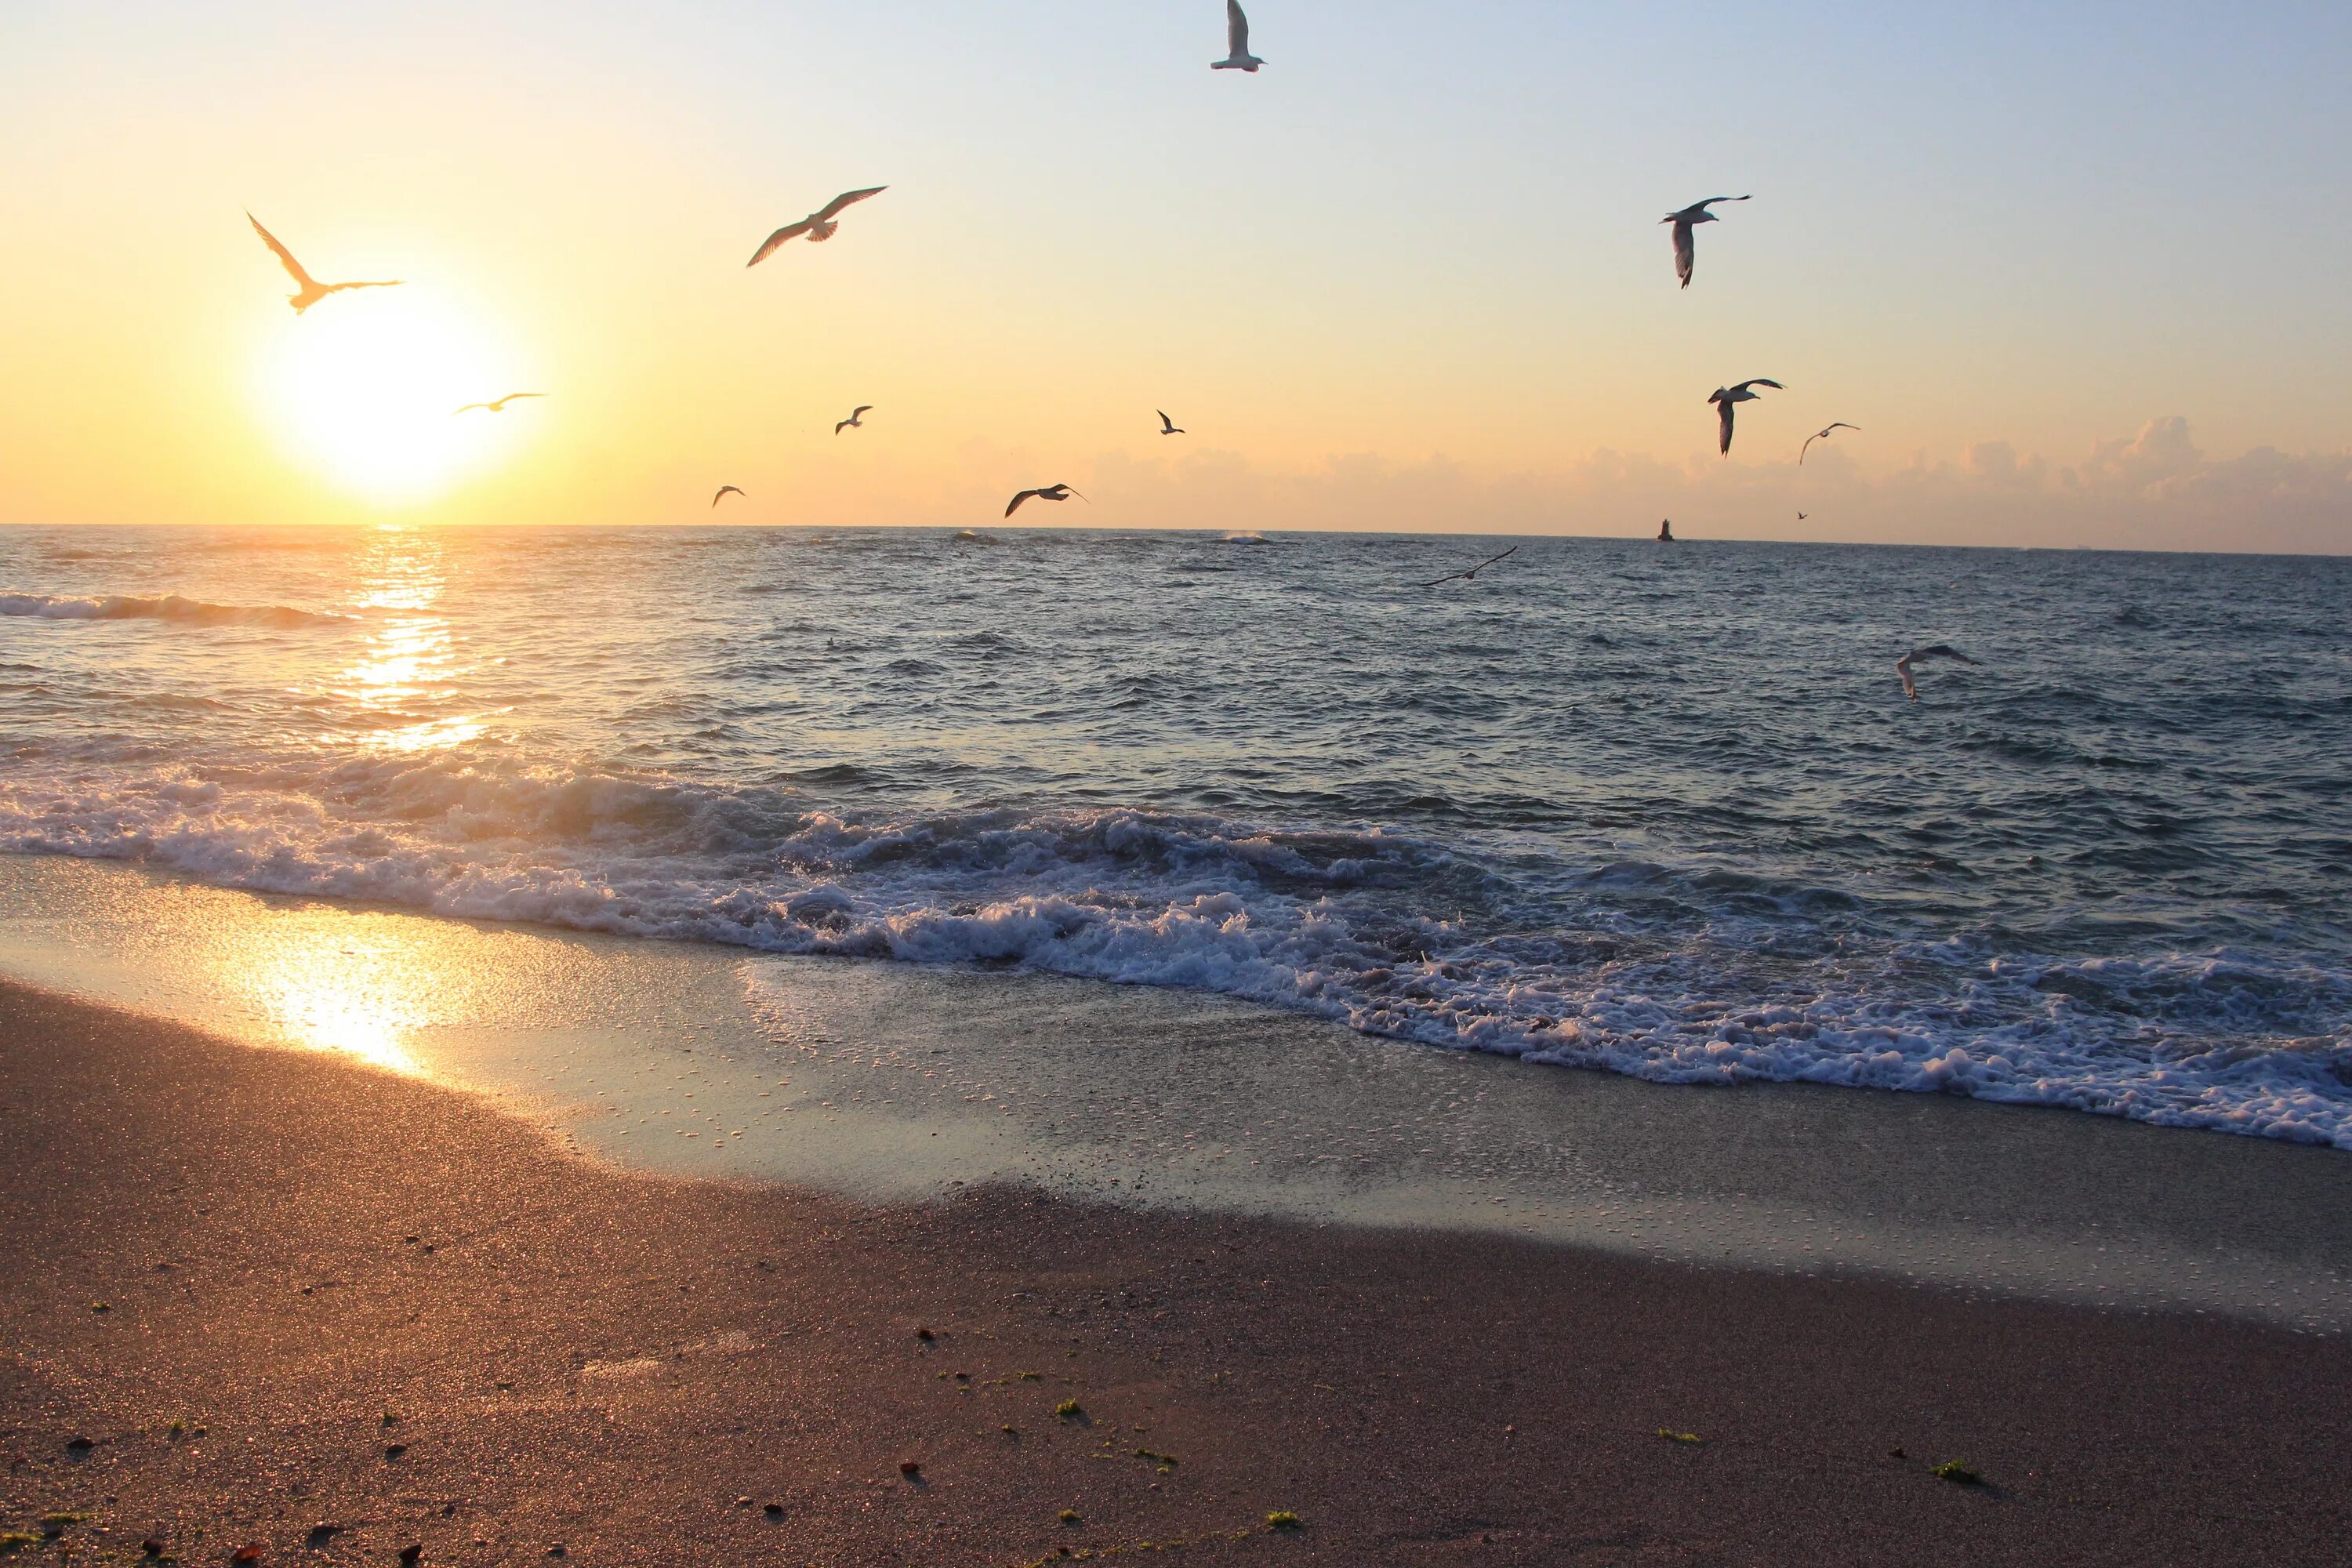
856, 420
1237, 55
309, 291
1695, 213
1473, 573
1823, 435
818, 225
1044, 492
1167, 427
724, 491
1903, 664
1722, 398
498, 405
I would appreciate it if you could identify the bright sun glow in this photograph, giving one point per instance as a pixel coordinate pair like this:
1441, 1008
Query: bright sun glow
363, 387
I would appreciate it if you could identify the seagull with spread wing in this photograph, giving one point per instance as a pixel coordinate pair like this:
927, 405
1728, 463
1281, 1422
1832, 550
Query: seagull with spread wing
856, 420
1168, 426
1237, 55
724, 491
1470, 575
1823, 435
1685, 252
1725, 397
818, 225
498, 405
1044, 492
309, 290
1922, 656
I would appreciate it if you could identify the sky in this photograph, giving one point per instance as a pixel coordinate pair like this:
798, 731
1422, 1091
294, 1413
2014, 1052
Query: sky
2076, 271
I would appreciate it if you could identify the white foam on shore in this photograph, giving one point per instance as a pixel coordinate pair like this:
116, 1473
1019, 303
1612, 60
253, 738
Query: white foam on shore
1364, 928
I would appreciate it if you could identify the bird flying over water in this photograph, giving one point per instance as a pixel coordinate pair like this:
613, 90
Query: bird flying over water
1167, 427
1823, 435
1237, 55
1685, 252
498, 405
856, 420
1722, 398
1924, 655
1043, 492
1470, 574
818, 225
309, 290
724, 491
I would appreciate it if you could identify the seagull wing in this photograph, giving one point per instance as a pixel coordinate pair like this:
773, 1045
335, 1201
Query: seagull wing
724, 491
1236, 29
1903, 669
1759, 380
1016, 504
1842, 424
1807, 447
862, 408
1724, 408
1685, 250
832, 208
789, 231
285, 256
471, 408
1940, 650
1710, 201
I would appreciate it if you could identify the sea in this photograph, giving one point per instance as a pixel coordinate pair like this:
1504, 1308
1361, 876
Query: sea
1659, 810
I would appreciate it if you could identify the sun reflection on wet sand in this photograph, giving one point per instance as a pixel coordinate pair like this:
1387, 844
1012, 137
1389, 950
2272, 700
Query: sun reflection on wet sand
314, 984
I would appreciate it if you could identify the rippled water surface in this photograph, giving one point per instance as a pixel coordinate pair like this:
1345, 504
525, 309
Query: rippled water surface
1662, 809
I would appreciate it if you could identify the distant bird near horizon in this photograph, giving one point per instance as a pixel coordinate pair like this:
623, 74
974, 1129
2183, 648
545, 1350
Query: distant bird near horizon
1168, 426
1685, 249
1472, 574
1043, 492
818, 225
856, 420
724, 491
1723, 397
1823, 435
309, 291
498, 405
1237, 55
1924, 655
1801, 516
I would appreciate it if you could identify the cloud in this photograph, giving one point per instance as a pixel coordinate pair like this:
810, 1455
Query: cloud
2152, 491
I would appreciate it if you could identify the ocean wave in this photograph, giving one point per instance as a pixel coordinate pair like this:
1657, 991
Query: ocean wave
168, 607
1674, 973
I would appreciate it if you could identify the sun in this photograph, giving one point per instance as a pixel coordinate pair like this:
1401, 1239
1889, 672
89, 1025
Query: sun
360, 389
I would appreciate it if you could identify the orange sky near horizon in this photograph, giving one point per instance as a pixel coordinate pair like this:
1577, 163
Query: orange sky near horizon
1376, 293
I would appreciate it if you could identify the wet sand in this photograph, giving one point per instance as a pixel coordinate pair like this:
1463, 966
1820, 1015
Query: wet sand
337, 1297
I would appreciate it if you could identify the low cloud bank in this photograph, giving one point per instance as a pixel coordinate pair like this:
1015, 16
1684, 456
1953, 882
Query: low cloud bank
2155, 490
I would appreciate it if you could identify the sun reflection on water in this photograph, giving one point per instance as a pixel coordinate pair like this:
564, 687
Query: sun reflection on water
409, 665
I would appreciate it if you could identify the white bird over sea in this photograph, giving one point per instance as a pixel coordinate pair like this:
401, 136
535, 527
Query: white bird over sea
1685, 252
818, 225
1823, 435
1168, 426
1237, 55
498, 405
309, 291
1923, 655
1723, 397
856, 420
1043, 492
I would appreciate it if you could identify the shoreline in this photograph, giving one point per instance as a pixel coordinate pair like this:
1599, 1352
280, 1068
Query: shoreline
570, 1356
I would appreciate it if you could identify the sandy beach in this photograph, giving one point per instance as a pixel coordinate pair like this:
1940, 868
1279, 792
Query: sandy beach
289, 1300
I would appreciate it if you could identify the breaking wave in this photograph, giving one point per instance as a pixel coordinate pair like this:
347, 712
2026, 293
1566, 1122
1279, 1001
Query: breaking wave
168, 607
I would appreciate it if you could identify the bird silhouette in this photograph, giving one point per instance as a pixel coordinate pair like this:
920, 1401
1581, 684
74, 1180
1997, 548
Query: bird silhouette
309, 290
1922, 656
1725, 397
1237, 55
498, 405
1167, 427
856, 420
818, 225
1823, 435
724, 491
1470, 575
1686, 251
1044, 492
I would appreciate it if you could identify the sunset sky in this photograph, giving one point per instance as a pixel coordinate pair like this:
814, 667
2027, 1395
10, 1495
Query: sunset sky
2077, 271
